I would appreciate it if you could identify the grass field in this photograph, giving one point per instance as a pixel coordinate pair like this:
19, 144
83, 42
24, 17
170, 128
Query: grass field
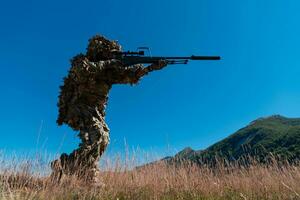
27, 180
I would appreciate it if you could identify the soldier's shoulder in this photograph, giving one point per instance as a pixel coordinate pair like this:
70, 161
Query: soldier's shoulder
80, 63
78, 59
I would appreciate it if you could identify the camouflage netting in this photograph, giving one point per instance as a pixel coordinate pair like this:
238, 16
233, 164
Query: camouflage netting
82, 101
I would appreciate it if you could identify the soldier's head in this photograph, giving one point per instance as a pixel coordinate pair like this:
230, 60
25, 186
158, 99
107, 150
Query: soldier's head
100, 48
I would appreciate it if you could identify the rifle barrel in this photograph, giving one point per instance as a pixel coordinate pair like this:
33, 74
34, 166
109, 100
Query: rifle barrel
190, 58
205, 57
131, 60
196, 58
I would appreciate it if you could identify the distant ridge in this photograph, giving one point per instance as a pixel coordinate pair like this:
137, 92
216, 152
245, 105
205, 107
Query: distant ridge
275, 136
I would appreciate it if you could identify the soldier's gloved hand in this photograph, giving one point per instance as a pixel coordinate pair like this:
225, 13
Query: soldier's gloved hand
161, 64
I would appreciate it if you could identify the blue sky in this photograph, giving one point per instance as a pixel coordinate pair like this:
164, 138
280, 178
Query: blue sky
183, 105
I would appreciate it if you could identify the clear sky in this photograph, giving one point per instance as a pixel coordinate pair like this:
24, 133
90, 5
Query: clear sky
183, 105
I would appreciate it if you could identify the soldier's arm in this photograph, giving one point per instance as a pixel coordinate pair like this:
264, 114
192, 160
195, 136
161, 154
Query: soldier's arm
155, 66
134, 73
116, 72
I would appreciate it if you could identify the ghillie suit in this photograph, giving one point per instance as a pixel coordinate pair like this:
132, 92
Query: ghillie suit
82, 103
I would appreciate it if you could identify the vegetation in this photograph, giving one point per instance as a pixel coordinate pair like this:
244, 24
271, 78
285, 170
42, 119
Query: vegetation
264, 139
259, 161
160, 181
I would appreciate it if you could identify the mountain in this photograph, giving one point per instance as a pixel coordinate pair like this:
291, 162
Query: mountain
265, 138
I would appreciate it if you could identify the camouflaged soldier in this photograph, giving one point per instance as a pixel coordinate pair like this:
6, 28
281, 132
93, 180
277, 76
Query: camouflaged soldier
82, 103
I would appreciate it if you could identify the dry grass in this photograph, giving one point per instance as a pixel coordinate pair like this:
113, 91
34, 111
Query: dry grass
160, 181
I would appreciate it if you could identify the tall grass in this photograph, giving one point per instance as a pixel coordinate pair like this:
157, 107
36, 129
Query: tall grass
27, 179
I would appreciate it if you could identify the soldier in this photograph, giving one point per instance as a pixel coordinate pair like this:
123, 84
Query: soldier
82, 103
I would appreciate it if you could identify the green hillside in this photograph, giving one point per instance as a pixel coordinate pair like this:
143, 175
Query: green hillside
272, 137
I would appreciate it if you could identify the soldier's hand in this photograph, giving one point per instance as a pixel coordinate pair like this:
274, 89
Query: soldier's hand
161, 64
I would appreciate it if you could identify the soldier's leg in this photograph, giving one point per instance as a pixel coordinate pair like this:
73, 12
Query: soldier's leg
93, 146
83, 162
